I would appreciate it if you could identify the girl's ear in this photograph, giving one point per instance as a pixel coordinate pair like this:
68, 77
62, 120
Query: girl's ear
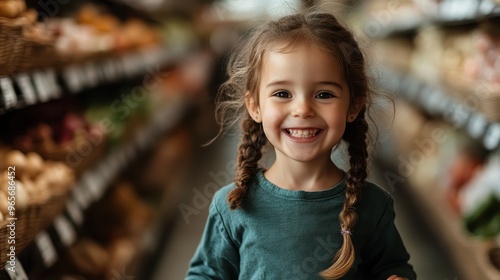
252, 107
355, 109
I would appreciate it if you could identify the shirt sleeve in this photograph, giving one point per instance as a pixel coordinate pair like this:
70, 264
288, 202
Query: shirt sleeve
217, 256
385, 254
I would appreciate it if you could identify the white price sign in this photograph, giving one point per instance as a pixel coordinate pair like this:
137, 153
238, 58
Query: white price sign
82, 196
9, 94
109, 70
477, 125
72, 78
16, 272
95, 183
92, 75
51, 78
75, 212
492, 137
65, 230
46, 248
27, 89
42, 86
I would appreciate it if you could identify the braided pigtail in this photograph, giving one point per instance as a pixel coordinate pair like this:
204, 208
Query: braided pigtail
249, 154
355, 136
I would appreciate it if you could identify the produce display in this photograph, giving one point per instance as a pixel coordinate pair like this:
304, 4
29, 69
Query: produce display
36, 180
93, 31
445, 51
112, 237
70, 147
56, 42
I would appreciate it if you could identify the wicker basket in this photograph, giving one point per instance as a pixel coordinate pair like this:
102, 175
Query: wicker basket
39, 50
37, 217
12, 41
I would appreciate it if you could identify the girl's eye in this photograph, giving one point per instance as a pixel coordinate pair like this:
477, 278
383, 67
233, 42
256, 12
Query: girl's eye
282, 94
324, 95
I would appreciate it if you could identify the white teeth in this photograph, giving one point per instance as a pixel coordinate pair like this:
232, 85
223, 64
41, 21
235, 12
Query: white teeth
303, 132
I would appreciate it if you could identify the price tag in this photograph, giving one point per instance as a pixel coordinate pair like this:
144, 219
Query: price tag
9, 94
492, 137
106, 168
72, 78
42, 86
95, 184
82, 196
477, 125
51, 78
74, 212
46, 248
26, 86
17, 272
119, 68
486, 7
92, 74
127, 66
109, 70
137, 63
65, 230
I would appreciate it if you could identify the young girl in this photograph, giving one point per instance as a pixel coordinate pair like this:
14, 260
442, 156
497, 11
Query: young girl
300, 84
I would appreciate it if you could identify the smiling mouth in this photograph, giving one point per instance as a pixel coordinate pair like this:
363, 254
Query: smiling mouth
303, 133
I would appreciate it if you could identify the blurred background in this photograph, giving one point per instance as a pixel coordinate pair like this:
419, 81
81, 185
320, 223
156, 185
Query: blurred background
105, 106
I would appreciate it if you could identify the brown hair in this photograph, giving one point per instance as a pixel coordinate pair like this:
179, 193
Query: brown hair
322, 30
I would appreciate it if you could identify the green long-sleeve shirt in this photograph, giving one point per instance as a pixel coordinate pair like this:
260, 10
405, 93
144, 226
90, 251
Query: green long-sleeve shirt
284, 234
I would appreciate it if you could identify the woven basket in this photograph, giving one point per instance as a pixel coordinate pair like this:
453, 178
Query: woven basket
12, 41
39, 50
12, 44
30, 222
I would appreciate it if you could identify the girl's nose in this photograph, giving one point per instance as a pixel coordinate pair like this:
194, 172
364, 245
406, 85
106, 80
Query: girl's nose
302, 109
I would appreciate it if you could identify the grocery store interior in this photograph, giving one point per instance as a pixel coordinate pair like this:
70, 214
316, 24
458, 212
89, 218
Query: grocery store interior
106, 108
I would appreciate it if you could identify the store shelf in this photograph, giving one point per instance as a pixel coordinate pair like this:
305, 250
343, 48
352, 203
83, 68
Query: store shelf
40, 86
91, 187
470, 255
438, 101
450, 12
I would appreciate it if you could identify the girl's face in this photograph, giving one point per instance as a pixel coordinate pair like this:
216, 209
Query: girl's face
303, 103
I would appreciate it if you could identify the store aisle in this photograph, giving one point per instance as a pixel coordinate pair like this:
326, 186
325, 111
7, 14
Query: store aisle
212, 167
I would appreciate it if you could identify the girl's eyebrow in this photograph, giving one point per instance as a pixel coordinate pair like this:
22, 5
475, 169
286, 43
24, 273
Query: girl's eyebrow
332, 83
278, 83
285, 82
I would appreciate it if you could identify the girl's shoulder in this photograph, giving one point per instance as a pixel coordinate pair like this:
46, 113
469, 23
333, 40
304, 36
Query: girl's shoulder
372, 191
219, 199
374, 204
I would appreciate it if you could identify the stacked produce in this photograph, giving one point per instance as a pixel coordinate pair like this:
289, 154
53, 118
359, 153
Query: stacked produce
35, 179
26, 44
93, 31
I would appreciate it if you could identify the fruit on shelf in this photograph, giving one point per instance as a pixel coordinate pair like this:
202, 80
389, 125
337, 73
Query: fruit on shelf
463, 168
89, 257
480, 201
12, 8
17, 160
